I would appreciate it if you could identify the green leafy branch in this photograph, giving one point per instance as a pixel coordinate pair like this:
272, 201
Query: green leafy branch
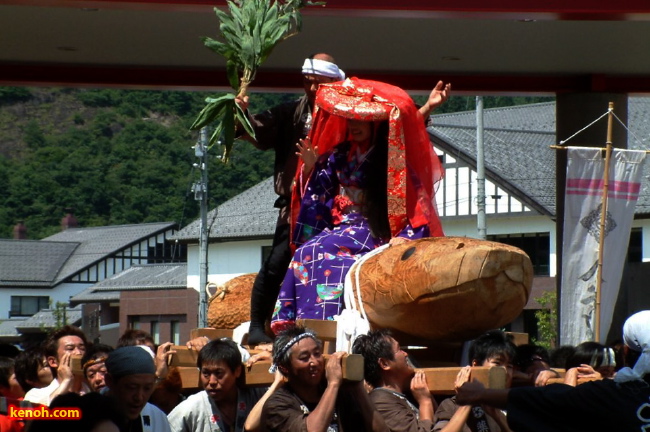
547, 320
249, 33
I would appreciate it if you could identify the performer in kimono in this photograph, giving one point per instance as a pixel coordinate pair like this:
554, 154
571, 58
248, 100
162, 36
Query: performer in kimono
367, 178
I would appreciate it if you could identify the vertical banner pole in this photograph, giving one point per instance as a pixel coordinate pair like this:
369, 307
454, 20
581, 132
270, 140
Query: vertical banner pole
603, 219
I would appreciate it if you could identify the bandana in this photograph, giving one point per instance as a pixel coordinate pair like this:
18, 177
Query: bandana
322, 68
282, 351
93, 362
636, 335
130, 360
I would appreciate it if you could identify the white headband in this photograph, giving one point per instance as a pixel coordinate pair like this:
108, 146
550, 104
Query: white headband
277, 357
323, 68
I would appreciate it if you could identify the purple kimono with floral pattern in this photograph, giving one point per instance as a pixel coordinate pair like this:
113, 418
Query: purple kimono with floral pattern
331, 236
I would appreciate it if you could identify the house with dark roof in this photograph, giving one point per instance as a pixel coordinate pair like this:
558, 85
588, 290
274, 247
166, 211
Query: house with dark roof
520, 197
240, 234
150, 297
35, 275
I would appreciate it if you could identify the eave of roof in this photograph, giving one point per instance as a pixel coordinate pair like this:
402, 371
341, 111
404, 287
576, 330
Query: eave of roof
46, 319
135, 278
97, 243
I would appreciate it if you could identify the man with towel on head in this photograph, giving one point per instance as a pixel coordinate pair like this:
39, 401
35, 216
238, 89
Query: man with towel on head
280, 128
131, 378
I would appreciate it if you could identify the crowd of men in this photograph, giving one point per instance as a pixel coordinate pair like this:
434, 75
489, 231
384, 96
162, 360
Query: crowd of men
131, 388
116, 390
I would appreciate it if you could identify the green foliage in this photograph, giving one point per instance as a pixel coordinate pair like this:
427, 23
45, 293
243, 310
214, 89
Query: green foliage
121, 164
34, 136
97, 98
125, 163
547, 320
134, 103
60, 314
12, 95
467, 103
249, 33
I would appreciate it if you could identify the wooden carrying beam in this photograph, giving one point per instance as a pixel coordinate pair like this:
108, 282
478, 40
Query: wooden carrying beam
258, 374
183, 357
324, 329
211, 333
351, 365
442, 380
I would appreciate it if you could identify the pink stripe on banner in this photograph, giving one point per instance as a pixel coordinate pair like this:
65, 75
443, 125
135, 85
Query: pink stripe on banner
620, 186
628, 197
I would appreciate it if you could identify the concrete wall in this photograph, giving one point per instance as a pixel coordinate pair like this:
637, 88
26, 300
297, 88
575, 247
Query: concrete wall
163, 307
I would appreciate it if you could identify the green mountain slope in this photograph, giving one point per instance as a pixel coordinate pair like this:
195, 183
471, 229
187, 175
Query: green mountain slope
121, 156
114, 156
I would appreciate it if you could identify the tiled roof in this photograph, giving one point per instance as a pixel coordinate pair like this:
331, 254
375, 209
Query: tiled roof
32, 263
517, 152
248, 215
8, 328
135, 278
520, 162
96, 243
517, 149
45, 319
90, 295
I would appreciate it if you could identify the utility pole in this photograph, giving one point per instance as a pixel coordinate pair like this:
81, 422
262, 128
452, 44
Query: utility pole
200, 189
480, 171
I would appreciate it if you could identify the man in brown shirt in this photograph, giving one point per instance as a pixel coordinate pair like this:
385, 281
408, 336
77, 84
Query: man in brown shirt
314, 397
391, 375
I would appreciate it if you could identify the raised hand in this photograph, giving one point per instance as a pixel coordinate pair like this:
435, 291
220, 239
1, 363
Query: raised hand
308, 154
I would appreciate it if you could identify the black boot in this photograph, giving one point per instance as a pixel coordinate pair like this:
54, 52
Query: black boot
256, 334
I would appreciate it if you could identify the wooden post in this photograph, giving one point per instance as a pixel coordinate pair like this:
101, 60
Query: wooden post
603, 221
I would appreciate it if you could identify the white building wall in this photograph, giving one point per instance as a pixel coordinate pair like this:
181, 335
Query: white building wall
457, 192
226, 260
61, 293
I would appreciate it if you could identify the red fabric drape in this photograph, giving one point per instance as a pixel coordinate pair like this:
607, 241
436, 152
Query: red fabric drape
413, 166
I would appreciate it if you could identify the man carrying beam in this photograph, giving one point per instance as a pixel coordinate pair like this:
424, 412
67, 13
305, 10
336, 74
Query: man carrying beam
620, 404
388, 370
223, 405
315, 397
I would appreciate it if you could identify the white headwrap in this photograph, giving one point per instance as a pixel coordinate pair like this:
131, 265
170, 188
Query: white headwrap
277, 356
636, 335
323, 68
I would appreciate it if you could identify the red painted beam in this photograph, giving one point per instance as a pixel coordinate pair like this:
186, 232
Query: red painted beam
214, 79
554, 9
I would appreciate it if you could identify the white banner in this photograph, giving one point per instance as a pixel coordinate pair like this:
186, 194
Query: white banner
582, 215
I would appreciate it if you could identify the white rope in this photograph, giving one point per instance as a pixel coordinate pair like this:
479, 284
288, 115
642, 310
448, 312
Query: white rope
356, 268
353, 320
627, 129
586, 127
